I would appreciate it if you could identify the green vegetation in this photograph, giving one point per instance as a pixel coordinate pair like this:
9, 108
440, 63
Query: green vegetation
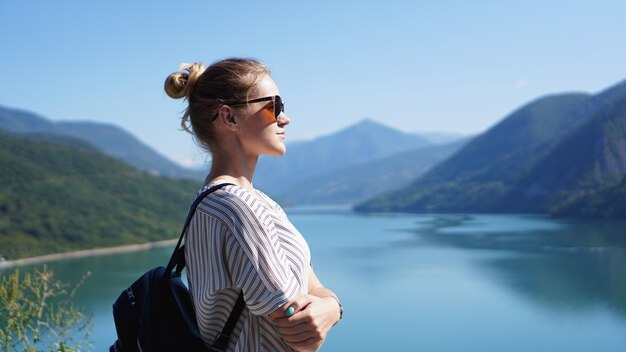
37, 314
109, 139
562, 154
57, 197
609, 202
477, 177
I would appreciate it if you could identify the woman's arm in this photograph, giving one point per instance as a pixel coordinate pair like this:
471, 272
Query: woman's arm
314, 315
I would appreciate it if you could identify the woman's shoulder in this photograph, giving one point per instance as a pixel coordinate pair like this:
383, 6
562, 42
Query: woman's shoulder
230, 201
226, 190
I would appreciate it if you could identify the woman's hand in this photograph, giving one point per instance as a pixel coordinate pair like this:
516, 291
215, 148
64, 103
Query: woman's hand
308, 327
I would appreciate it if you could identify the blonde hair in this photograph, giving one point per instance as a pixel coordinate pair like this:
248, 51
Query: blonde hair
206, 89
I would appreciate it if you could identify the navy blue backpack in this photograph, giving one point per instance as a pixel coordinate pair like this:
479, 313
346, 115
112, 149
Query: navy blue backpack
156, 313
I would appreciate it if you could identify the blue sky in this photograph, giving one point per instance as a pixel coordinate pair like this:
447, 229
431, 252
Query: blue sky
454, 66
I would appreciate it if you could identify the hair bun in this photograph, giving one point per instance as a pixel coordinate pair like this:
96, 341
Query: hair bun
180, 84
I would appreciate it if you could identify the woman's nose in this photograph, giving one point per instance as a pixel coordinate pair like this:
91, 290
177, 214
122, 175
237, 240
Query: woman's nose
283, 119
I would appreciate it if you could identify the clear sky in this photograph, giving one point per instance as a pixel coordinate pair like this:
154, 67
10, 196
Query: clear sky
455, 66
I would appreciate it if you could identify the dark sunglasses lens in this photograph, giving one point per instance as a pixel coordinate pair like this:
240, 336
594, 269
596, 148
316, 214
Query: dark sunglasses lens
279, 106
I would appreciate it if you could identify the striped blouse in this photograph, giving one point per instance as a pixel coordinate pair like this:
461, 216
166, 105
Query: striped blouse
238, 240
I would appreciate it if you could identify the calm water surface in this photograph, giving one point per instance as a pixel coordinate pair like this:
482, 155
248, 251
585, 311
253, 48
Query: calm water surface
436, 282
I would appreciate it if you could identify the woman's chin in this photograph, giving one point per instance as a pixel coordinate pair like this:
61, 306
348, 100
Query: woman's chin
278, 151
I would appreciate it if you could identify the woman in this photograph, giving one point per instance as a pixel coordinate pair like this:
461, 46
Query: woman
239, 238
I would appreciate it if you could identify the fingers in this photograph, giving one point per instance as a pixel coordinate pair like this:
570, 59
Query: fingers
303, 338
299, 327
299, 304
304, 318
307, 327
293, 330
307, 343
294, 312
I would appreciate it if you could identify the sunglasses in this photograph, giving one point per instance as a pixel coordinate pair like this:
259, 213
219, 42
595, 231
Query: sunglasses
277, 104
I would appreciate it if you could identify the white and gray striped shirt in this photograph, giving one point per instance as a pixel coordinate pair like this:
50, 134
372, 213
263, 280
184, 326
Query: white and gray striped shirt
238, 241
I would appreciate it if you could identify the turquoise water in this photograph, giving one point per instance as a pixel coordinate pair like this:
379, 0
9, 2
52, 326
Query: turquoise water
436, 282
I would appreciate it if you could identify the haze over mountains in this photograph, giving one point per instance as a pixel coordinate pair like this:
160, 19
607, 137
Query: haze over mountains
312, 172
547, 156
68, 186
358, 181
562, 154
107, 138
336, 168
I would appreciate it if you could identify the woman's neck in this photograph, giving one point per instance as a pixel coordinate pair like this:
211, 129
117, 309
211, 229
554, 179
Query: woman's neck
238, 170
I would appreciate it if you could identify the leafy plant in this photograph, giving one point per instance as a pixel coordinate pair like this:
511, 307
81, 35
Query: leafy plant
37, 313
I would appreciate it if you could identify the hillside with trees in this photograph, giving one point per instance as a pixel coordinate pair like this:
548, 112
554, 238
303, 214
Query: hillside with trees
109, 139
56, 196
555, 151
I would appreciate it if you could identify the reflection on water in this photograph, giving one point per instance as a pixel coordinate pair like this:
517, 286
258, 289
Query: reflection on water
566, 265
435, 282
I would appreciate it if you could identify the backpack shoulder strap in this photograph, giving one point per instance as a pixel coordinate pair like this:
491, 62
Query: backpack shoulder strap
176, 259
221, 341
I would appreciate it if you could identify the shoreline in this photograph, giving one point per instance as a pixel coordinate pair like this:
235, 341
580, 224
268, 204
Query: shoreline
86, 252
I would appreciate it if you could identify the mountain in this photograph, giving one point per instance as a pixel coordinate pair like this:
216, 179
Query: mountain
589, 160
55, 197
354, 183
441, 137
110, 139
362, 142
522, 163
473, 178
608, 202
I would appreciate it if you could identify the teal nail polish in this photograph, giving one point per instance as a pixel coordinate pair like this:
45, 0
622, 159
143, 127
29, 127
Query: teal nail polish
290, 311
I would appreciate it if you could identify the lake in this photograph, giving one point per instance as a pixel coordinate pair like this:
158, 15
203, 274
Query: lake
435, 282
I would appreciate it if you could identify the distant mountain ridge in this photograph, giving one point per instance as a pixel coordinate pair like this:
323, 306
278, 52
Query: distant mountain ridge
108, 138
538, 157
357, 182
362, 142
347, 162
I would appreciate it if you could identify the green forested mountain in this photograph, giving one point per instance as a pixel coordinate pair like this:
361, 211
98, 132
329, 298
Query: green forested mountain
474, 178
607, 202
109, 139
589, 159
534, 159
55, 196
355, 183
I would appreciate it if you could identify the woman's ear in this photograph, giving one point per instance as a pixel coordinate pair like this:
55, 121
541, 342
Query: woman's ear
226, 116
